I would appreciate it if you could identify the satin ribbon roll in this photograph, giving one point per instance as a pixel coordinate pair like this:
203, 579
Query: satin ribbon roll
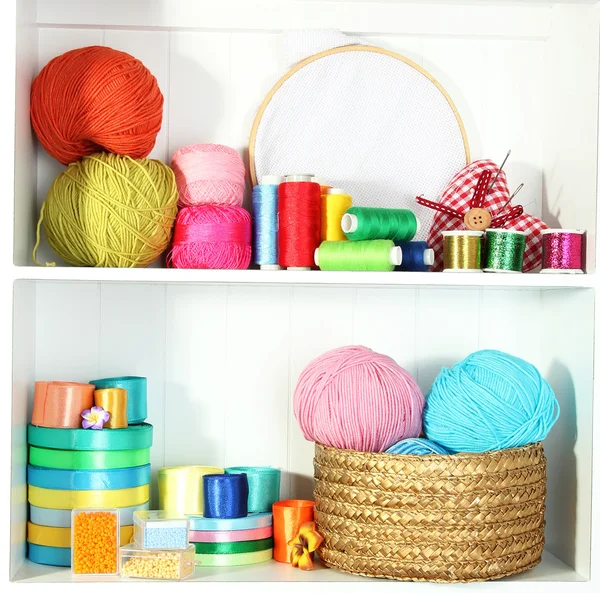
288, 516
58, 404
55, 459
114, 401
250, 522
60, 537
80, 439
62, 518
88, 499
244, 535
225, 496
137, 389
207, 560
234, 547
263, 486
88, 479
49, 555
181, 489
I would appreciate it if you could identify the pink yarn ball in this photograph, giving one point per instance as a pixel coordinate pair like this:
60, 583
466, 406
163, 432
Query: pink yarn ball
209, 174
211, 237
354, 398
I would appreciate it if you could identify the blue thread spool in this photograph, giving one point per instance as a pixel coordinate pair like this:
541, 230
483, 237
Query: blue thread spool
137, 390
225, 496
416, 256
265, 223
417, 447
263, 486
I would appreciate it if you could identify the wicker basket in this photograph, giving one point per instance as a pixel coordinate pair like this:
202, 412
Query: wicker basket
443, 518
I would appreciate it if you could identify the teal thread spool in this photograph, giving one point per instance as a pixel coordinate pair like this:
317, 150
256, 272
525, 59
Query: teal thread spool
505, 249
378, 255
362, 224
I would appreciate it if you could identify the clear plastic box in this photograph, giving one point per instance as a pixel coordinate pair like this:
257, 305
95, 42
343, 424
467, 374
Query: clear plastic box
160, 530
173, 565
95, 542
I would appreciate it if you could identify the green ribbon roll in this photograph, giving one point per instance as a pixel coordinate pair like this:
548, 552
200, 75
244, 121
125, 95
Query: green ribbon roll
233, 559
57, 459
234, 547
138, 436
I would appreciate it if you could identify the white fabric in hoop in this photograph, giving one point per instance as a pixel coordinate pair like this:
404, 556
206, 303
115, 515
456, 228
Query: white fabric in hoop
367, 122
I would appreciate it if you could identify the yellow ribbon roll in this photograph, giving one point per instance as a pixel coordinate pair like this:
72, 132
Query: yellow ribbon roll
88, 499
114, 401
60, 537
180, 489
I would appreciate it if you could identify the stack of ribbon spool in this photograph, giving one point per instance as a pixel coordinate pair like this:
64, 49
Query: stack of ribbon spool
229, 510
104, 465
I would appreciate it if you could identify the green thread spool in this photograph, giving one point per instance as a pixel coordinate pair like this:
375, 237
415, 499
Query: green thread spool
505, 250
361, 256
462, 251
362, 224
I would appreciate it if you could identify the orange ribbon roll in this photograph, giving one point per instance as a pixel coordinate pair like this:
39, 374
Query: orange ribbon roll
288, 516
58, 404
114, 401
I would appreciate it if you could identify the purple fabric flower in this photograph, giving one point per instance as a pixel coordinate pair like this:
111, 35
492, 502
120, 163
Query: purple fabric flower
94, 418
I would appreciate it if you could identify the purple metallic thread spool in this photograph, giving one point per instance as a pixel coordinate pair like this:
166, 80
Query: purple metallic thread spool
562, 251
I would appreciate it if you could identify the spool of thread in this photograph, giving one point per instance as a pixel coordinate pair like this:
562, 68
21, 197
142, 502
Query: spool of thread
212, 237
58, 404
110, 211
264, 222
362, 224
114, 401
181, 489
562, 251
504, 251
334, 204
299, 221
225, 496
487, 402
288, 517
417, 446
263, 486
137, 395
416, 256
369, 256
209, 174
354, 398
462, 251
114, 106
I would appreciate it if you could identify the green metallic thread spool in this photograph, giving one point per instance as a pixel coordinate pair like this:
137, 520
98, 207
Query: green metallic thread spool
366, 256
362, 224
505, 250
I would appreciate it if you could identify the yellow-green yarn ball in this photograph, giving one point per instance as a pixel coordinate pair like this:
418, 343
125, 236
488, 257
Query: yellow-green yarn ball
111, 211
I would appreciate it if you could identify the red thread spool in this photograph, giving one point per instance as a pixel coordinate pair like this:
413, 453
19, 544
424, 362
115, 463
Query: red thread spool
299, 221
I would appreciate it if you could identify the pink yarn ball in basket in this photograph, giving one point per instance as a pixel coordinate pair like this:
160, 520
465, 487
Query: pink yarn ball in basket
354, 398
209, 174
211, 237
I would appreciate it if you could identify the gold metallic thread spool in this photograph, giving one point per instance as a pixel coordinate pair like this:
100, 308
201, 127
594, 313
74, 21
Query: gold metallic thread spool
114, 401
462, 251
181, 489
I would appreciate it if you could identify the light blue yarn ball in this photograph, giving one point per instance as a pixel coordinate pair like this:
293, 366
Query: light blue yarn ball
489, 401
417, 447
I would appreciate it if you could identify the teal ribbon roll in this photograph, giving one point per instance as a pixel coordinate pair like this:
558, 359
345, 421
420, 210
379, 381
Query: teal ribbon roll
62, 518
86, 479
234, 547
263, 486
137, 395
49, 555
254, 521
80, 439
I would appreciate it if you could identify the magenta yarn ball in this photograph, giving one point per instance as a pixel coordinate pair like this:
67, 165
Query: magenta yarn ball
355, 398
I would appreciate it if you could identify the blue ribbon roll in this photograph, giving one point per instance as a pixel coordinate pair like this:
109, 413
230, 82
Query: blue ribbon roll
250, 522
62, 518
225, 496
263, 486
88, 479
137, 395
49, 555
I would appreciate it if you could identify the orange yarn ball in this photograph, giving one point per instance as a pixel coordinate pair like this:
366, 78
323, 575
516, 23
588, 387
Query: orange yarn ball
96, 99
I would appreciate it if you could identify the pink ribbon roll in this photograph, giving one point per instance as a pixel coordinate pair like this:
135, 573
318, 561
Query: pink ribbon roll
58, 404
244, 535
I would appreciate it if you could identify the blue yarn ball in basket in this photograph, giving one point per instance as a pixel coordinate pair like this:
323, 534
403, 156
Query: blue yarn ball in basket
489, 401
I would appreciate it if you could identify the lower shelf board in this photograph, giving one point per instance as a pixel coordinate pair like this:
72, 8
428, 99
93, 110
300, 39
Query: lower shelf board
550, 570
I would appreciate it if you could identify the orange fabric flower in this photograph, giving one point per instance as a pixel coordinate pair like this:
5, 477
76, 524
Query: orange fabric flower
304, 544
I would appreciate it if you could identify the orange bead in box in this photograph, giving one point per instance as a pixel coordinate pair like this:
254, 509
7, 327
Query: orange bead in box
94, 541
